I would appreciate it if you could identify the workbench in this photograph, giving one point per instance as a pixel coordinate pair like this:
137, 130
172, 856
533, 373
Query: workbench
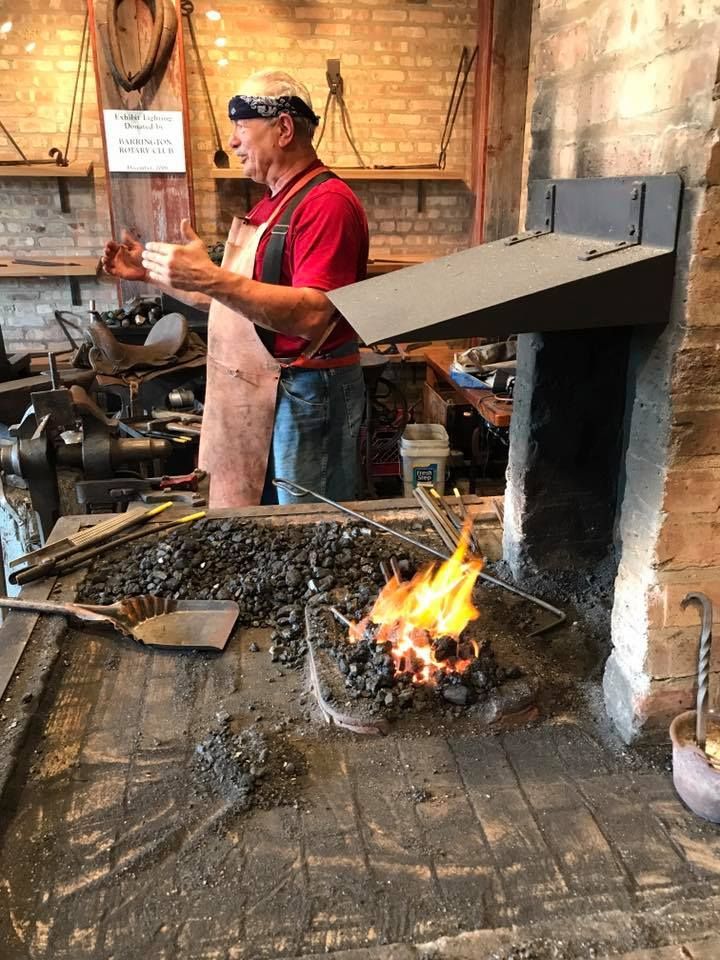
441, 389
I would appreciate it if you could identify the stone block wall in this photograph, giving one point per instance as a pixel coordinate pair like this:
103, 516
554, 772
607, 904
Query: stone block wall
627, 87
398, 59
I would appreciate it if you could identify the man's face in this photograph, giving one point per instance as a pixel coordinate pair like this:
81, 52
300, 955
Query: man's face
256, 143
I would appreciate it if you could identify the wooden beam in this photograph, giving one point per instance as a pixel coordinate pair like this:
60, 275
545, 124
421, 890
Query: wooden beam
500, 117
149, 204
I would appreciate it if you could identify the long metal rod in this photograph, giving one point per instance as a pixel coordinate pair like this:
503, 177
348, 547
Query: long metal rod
464, 517
340, 617
44, 567
41, 571
450, 514
463, 508
438, 520
291, 488
76, 539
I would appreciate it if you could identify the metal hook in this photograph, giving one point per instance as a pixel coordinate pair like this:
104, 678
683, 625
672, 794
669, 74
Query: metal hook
705, 604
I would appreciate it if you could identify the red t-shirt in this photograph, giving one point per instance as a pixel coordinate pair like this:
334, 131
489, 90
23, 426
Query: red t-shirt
326, 247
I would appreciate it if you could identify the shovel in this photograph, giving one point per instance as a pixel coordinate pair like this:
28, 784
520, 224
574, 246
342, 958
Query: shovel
152, 621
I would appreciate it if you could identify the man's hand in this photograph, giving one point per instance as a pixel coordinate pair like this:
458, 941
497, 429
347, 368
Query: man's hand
124, 260
184, 267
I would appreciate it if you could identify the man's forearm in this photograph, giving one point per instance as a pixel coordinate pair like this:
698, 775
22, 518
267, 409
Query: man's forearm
295, 311
198, 300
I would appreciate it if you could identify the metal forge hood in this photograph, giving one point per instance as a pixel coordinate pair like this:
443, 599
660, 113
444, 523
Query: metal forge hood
598, 252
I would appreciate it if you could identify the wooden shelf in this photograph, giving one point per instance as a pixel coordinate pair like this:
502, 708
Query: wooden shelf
49, 267
50, 171
358, 173
73, 267
420, 175
377, 266
69, 267
46, 170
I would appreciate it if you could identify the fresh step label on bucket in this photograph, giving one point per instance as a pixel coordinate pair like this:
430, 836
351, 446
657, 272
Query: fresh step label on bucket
426, 474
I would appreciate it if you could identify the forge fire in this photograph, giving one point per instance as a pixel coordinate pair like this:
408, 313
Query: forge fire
419, 623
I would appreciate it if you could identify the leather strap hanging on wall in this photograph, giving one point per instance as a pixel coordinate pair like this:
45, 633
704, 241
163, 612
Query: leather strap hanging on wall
160, 47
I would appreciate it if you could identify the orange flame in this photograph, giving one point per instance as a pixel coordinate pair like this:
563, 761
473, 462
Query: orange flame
437, 602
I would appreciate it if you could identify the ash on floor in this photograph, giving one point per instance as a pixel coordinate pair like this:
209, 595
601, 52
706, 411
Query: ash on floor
539, 949
248, 768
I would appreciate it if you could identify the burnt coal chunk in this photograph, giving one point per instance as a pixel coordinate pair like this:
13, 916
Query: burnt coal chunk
465, 650
445, 647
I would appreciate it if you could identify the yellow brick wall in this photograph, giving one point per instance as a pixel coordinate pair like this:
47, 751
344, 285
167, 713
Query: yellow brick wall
398, 60
36, 90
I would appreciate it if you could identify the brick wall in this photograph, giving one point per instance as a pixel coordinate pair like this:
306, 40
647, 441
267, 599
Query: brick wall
624, 88
398, 60
35, 99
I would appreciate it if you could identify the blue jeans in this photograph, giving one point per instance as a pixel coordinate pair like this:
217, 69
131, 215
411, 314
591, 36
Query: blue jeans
316, 434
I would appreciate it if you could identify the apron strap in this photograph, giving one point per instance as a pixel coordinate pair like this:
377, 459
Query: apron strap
272, 261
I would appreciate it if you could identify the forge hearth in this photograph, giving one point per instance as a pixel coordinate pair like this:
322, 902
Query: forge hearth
420, 642
357, 686
272, 572
285, 577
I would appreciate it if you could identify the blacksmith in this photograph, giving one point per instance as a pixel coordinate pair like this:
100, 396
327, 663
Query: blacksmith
284, 386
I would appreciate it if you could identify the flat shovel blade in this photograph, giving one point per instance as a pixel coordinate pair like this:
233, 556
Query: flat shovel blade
193, 625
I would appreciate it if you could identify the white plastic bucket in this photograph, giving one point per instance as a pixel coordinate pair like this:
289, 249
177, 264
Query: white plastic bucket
424, 448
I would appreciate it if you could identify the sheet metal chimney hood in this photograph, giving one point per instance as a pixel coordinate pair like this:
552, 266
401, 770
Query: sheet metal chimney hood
598, 252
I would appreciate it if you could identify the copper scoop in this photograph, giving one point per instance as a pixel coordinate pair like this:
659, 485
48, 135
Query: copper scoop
152, 621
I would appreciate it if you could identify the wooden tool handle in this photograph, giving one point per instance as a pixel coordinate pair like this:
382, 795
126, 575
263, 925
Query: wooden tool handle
58, 609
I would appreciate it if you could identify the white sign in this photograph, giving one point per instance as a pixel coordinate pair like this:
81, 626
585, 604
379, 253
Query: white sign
145, 141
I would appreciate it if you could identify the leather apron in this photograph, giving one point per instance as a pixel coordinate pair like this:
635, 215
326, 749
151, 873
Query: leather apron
242, 383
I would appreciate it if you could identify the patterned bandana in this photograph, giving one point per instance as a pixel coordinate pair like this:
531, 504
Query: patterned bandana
245, 107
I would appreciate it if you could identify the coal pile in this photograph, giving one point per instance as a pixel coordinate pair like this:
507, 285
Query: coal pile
246, 768
272, 572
